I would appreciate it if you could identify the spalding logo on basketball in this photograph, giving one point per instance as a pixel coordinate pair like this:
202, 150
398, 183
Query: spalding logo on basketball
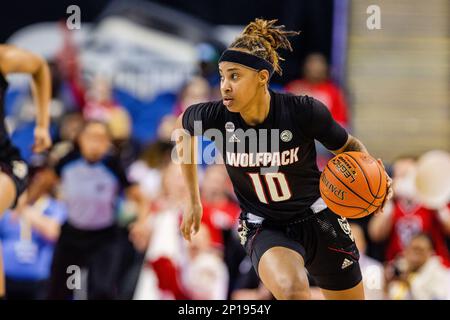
353, 184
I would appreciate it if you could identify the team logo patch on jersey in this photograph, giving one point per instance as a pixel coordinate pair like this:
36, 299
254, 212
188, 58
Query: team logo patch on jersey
229, 127
20, 169
346, 227
286, 136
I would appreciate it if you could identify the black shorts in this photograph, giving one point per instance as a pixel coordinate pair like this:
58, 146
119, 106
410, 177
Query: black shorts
17, 170
323, 239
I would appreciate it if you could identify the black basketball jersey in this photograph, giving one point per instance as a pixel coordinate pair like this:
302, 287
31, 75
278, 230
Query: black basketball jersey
7, 150
272, 165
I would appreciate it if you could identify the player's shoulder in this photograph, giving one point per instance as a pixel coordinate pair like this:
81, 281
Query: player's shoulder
207, 112
295, 100
296, 104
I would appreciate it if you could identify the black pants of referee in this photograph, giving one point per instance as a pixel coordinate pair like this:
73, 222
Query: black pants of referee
19, 289
97, 251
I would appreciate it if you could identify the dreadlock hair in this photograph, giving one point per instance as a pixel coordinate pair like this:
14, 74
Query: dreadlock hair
262, 38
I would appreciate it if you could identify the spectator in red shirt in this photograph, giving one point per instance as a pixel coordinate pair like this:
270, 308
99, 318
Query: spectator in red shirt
405, 217
315, 83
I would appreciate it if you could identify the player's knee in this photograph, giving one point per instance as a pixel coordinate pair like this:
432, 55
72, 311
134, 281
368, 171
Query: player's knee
293, 289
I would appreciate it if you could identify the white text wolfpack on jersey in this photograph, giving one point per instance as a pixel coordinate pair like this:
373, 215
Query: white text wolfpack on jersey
262, 159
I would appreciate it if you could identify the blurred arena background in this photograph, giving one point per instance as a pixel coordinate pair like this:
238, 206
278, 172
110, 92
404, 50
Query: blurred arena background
382, 67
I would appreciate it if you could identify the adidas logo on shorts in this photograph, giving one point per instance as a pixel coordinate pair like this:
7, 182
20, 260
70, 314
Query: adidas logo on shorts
346, 263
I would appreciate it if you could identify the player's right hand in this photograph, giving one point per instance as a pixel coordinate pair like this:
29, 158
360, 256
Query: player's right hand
389, 189
191, 220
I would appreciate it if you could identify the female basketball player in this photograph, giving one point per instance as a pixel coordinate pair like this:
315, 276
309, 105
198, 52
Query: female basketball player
13, 170
285, 226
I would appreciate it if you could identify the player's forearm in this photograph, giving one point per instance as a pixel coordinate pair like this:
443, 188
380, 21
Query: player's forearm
16, 60
352, 144
190, 176
186, 148
42, 93
189, 169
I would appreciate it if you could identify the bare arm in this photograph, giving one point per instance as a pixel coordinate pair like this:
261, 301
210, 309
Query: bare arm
352, 144
186, 151
16, 60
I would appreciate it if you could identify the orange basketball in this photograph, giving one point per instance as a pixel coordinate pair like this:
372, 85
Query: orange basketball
353, 184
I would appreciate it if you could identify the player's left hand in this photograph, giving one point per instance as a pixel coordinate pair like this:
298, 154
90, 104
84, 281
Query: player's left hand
42, 139
389, 190
192, 218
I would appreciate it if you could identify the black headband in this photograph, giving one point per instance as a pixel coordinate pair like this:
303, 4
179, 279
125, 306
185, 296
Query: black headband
246, 59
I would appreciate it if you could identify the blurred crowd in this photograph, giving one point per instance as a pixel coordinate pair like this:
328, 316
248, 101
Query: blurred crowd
108, 209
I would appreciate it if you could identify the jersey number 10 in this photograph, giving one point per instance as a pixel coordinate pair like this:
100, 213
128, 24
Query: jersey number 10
276, 183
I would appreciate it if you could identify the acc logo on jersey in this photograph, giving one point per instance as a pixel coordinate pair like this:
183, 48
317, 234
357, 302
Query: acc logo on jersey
229, 127
286, 136
20, 169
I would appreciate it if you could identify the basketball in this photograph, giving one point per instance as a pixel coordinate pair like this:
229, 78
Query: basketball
353, 184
